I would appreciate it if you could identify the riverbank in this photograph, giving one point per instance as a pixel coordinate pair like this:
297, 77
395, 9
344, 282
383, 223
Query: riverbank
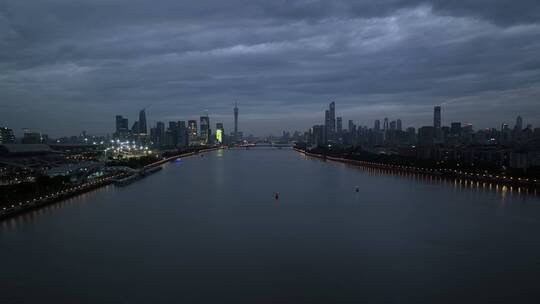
17, 208
442, 173
174, 157
38, 202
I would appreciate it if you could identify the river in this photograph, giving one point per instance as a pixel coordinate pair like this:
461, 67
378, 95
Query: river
209, 230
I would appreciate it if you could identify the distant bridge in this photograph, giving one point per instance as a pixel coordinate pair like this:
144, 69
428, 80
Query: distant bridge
268, 144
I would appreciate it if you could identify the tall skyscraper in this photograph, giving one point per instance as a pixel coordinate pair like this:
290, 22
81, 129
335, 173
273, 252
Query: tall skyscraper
160, 133
437, 124
172, 125
393, 125
157, 134
171, 135
332, 112
385, 124
377, 125
318, 135
142, 122
182, 134
192, 127
399, 127
205, 129
339, 125
122, 126
235, 121
352, 127
437, 117
327, 123
220, 131
153, 136
519, 124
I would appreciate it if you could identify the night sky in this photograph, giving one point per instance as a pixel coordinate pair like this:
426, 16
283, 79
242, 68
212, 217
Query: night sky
72, 65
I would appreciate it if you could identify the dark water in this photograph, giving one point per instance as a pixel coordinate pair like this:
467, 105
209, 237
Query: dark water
209, 230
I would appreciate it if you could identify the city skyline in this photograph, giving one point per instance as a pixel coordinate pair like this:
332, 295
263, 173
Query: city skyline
280, 62
229, 121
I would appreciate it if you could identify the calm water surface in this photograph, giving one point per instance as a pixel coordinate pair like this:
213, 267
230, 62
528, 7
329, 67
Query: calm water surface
208, 230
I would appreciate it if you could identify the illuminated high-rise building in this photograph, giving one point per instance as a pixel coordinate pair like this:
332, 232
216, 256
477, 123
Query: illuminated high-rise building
219, 132
192, 128
205, 129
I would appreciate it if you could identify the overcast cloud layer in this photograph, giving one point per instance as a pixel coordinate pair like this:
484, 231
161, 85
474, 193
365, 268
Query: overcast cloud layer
71, 65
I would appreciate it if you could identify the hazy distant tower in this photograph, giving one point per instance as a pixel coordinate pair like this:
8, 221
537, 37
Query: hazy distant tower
437, 124
332, 110
519, 123
235, 121
437, 117
142, 122
327, 125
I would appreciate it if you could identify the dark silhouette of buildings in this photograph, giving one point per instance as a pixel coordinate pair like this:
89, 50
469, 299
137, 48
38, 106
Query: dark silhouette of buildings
6, 136
235, 122
143, 130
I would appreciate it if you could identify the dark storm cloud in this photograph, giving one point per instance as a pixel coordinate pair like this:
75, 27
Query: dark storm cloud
78, 63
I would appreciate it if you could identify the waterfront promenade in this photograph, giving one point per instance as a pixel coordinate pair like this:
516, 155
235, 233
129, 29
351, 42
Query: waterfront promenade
16, 208
489, 179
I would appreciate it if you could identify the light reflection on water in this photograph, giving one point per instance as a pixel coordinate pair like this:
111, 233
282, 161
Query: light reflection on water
80, 201
504, 192
213, 224
457, 183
